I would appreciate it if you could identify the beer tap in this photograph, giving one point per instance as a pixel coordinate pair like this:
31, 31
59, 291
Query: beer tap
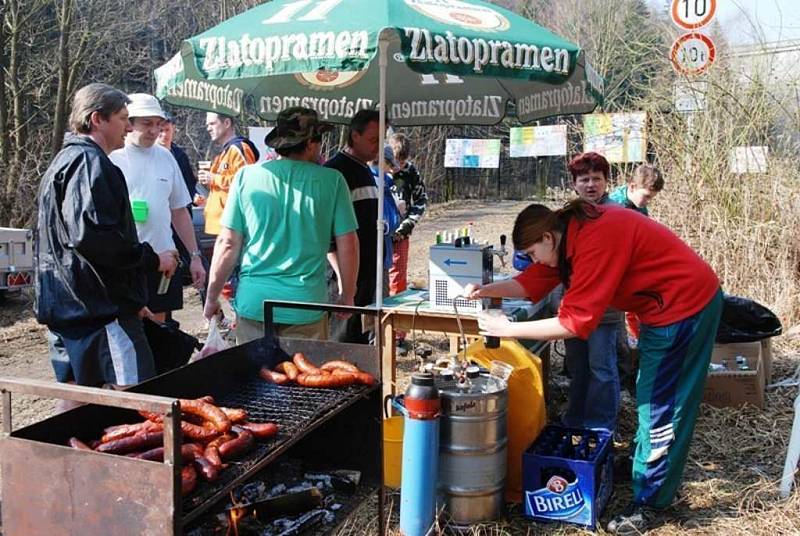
502, 252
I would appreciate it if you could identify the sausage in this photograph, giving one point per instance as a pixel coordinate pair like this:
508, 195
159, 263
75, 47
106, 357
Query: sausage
152, 417
132, 443
211, 452
288, 368
76, 443
340, 364
260, 430
304, 364
198, 432
272, 377
364, 378
338, 379
236, 415
236, 447
196, 448
126, 430
157, 454
208, 399
206, 468
207, 411
188, 479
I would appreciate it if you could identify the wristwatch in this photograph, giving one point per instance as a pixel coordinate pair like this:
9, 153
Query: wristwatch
195, 253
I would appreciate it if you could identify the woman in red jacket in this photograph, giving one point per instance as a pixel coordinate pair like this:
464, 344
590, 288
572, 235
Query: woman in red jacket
608, 256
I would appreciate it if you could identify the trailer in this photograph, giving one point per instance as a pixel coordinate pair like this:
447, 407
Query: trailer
16, 259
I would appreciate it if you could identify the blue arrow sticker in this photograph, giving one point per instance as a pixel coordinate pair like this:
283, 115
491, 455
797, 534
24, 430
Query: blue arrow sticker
449, 262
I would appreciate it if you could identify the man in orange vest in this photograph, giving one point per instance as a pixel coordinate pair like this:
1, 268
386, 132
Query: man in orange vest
237, 152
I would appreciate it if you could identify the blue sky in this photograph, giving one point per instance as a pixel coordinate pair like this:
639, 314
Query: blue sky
743, 20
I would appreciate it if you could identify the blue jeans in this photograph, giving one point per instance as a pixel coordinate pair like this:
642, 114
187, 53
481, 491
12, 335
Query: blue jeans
594, 389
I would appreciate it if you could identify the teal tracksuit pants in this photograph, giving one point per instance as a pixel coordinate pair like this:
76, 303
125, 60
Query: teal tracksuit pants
673, 366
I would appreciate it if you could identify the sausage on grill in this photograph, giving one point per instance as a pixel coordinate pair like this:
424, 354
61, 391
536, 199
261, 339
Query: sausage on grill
207, 411
341, 365
263, 430
272, 377
206, 468
157, 454
126, 430
132, 443
235, 415
304, 364
211, 452
239, 445
288, 368
338, 379
198, 432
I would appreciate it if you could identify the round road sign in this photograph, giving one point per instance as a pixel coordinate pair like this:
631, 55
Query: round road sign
692, 14
692, 53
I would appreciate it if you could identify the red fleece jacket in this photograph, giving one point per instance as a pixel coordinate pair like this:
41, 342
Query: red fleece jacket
627, 261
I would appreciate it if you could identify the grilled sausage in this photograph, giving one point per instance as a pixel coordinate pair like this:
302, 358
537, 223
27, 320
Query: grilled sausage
206, 468
211, 452
272, 377
304, 364
236, 447
196, 448
236, 415
260, 430
188, 479
152, 417
364, 378
76, 443
126, 430
132, 443
288, 368
157, 454
340, 364
338, 379
207, 411
198, 432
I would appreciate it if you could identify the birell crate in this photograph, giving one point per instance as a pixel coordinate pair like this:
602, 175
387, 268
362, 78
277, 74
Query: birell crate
568, 475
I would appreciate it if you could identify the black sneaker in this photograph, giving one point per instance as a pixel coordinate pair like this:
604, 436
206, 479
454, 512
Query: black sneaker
635, 520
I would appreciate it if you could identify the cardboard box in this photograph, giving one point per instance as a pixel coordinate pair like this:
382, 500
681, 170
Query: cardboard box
766, 358
733, 387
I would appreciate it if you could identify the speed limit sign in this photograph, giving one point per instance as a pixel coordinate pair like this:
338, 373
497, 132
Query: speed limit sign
692, 53
692, 14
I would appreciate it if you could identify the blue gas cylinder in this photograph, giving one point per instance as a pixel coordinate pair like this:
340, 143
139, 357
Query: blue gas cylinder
420, 455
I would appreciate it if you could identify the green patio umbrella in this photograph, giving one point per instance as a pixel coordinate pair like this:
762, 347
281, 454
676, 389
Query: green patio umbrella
419, 62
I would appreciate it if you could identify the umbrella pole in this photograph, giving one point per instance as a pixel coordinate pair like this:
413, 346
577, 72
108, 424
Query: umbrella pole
383, 45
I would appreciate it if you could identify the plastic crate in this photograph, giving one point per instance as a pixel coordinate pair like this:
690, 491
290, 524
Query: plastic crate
568, 475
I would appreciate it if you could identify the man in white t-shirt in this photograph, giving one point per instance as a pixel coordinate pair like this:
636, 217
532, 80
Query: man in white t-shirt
159, 198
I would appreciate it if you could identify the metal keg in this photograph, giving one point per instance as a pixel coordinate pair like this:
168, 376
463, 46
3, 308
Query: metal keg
472, 448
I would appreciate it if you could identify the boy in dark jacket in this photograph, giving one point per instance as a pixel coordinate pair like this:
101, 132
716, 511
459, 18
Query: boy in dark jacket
90, 286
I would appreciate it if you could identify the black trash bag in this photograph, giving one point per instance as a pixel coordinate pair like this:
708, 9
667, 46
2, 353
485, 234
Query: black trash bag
744, 320
171, 347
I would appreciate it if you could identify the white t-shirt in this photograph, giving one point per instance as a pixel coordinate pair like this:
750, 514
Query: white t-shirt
153, 176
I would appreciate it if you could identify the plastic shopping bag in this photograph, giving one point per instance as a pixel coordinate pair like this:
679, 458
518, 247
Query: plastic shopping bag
744, 320
214, 342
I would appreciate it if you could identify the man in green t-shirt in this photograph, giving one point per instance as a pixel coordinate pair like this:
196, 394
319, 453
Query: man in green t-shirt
279, 220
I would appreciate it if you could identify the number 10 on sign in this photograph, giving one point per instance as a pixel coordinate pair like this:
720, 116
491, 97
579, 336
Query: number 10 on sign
692, 53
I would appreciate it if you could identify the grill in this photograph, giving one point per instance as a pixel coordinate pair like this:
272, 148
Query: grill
49, 488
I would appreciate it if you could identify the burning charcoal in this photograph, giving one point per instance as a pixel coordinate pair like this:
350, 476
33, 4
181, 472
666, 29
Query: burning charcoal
277, 490
251, 492
304, 522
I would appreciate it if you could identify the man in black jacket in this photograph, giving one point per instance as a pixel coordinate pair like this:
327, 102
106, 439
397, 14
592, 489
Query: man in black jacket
90, 282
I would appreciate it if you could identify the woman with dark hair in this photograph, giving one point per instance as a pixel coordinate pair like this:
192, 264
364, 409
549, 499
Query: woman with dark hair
651, 272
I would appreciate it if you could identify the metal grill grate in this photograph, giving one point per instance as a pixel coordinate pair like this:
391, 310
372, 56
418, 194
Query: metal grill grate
293, 409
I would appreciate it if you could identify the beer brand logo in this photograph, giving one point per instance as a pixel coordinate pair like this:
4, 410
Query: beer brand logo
462, 14
559, 499
557, 484
329, 80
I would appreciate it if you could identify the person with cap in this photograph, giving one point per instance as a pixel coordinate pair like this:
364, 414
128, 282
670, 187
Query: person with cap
278, 220
158, 197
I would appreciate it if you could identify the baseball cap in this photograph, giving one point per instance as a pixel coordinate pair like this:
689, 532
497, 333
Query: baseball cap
294, 126
144, 105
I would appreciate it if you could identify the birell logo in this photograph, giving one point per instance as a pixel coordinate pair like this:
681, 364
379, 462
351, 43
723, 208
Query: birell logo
559, 499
